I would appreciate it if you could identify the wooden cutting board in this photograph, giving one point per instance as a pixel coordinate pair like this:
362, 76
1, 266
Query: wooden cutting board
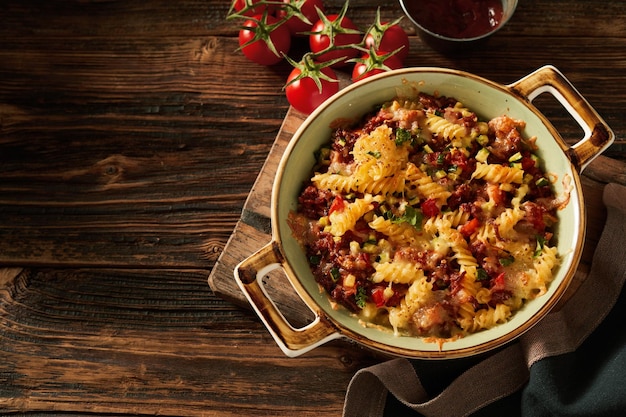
253, 230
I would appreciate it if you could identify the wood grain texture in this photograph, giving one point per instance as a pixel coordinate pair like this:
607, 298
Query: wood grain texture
131, 137
90, 336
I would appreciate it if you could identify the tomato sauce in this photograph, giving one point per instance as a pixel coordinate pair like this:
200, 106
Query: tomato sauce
457, 18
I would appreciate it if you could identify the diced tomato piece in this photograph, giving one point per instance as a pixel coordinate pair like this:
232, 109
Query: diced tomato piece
495, 193
470, 227
378, 296
527, 163
430, 208
338, 204
497, 284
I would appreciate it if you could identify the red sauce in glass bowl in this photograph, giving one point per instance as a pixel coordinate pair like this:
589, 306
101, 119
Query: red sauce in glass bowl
459, 19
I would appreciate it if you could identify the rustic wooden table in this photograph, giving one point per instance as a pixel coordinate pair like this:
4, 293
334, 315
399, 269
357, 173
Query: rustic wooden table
131, 134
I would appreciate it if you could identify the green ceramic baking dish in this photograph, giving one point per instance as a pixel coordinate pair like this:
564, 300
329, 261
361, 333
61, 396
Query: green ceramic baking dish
488, 99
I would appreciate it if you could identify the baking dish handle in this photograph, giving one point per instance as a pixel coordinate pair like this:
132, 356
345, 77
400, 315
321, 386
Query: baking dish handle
597, 134
292, 341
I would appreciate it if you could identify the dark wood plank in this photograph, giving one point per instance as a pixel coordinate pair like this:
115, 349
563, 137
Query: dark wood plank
152, 342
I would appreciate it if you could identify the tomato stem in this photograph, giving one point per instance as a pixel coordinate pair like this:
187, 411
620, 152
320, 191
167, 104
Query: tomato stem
294, 9
262, 32
333, 28
378, 29
312, 69
250, 7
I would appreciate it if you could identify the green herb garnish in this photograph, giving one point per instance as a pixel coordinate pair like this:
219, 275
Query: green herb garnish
541, 241
402, 136
506, 261
411, 216
481, 275
360, 297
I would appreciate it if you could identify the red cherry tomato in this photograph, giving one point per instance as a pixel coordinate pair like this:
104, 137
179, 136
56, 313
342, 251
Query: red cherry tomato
369, 65
240, 5
301, 9
304, 95
337, 31
257, 34
392, 37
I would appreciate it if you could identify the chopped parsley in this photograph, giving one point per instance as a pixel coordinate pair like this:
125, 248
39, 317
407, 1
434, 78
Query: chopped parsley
411, 216
402, 136
506, 261
541, 241
360, 297
481, 275
375, 154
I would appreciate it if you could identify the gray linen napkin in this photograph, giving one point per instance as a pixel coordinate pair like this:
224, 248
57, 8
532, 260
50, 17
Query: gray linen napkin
507, 370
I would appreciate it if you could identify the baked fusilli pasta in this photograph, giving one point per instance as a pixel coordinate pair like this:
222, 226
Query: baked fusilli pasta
424, 218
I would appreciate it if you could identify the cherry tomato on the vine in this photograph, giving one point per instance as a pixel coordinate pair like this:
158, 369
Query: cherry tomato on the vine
297, 10
304, 94
394, 37
251, 7
336, 31
263, 40
370, 64
387, 36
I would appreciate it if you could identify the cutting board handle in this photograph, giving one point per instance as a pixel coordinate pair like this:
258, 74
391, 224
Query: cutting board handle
293, 341
597, 134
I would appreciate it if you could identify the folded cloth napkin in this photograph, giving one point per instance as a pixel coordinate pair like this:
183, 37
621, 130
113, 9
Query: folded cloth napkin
572, 362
